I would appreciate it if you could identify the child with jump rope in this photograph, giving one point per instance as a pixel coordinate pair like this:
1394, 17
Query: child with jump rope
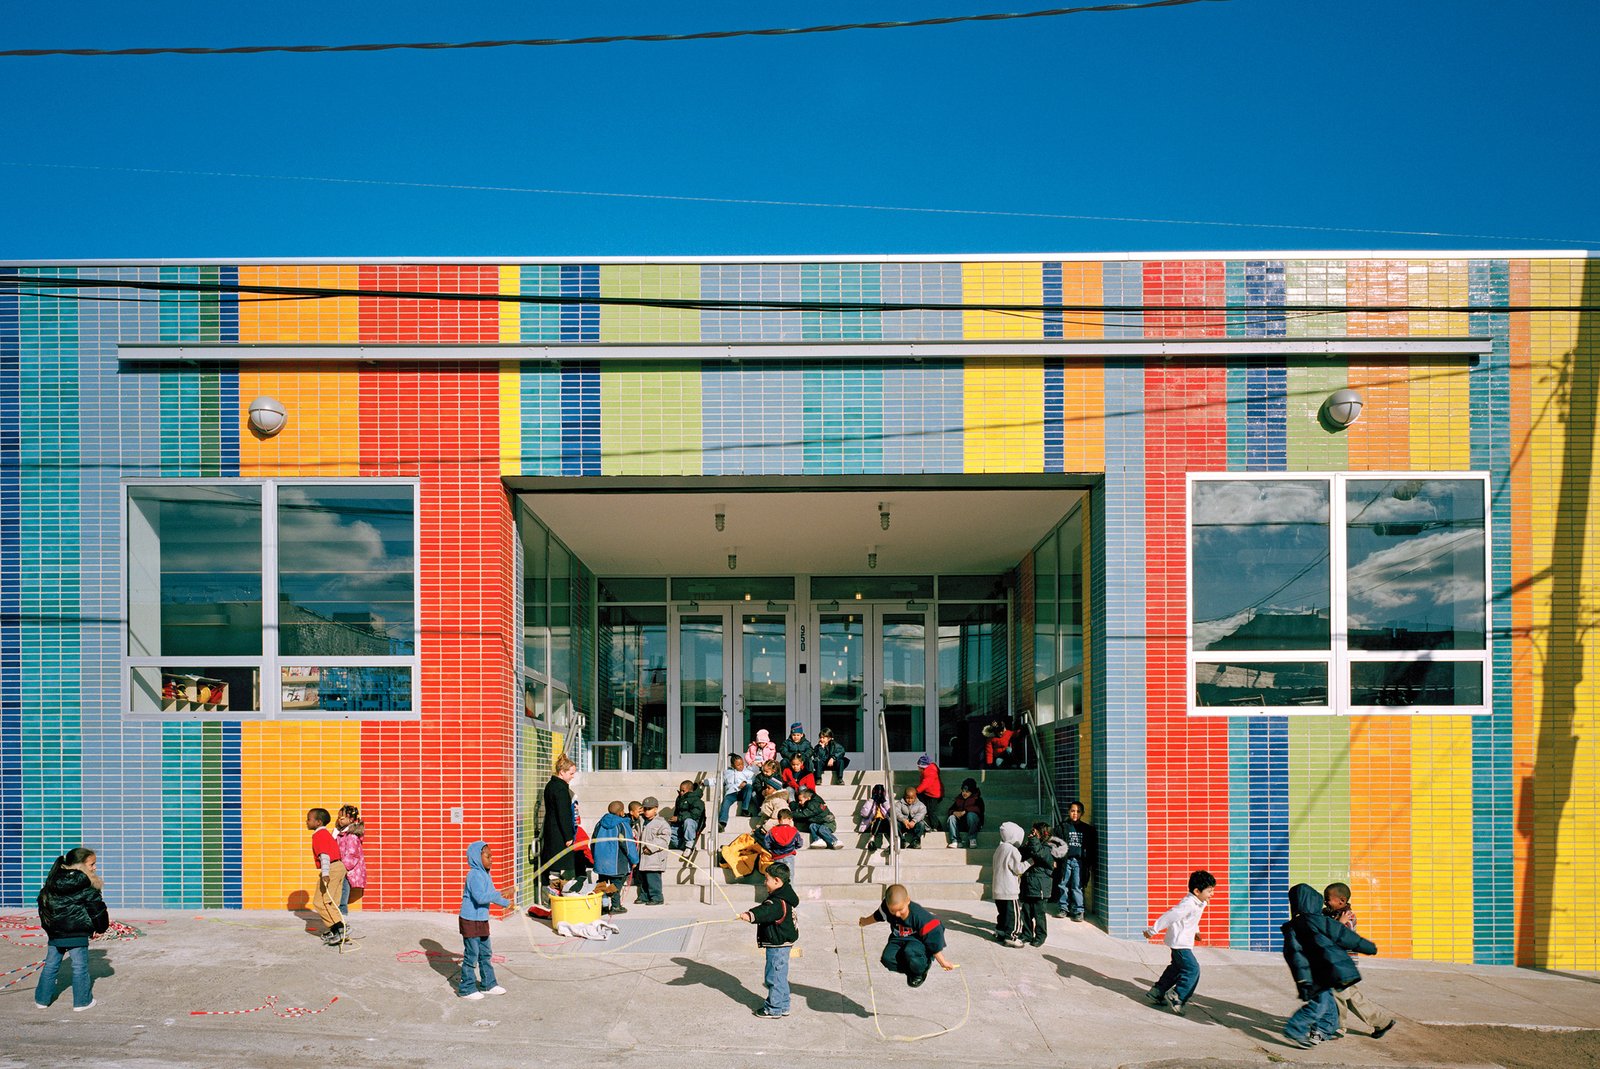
915, 936
477, 895
71, 911
777, 931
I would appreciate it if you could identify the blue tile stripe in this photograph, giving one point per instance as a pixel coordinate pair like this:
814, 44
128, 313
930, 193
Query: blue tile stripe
1123, 283
1239, 831
1051, 273
752, 418
843, 419
923, 418
580, 322
1054, 413
1268, 872
580, 418
1493, 781
1266, 415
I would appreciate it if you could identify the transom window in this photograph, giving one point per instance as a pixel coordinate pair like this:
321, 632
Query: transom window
1338, 593
271, 598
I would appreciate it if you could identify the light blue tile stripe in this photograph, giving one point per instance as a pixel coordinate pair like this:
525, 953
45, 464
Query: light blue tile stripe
1118, 668
843, 419
922, 418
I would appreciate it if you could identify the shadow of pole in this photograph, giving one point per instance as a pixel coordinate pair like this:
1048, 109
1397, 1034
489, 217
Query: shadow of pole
1547, 793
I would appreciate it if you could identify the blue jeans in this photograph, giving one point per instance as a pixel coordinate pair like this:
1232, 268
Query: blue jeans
82, 982
1182, 976
908, 956
1071, 898
820, 831
962, 826
742, 796
476, 960
777, 979
649, 887
614, 900
685, 832
1321, 1014
344, 898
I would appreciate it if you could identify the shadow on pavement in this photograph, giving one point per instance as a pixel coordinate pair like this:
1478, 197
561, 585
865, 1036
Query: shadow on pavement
1263, 1027
447, 963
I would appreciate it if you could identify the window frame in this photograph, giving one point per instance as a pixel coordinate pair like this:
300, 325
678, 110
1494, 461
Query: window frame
1338, 656
269, 662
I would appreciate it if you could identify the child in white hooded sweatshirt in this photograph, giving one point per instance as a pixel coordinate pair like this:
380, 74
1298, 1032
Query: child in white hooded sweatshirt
1007, 870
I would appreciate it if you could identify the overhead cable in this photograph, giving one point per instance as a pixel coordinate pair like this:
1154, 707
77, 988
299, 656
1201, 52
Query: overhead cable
608, 39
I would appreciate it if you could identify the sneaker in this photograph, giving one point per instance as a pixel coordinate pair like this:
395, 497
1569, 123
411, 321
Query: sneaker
1060, 914
615, 910
836, 845
1316, 1037
40, 1006
1381, 1030
1037, 942
1156, 995
497, 990
1013, 942
1302, 1041
91, 1004
814, 844
1174, 1003
767, 1015
1078, 917
474, 996
952, 846
916, 981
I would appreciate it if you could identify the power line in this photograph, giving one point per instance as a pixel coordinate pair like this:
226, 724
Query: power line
705, 304
761, 202
651, 38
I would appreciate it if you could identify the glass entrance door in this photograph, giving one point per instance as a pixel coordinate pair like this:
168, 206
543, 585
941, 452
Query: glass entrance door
728, 660
870, 659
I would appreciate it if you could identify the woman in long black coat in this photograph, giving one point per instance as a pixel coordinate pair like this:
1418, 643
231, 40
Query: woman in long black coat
560, 823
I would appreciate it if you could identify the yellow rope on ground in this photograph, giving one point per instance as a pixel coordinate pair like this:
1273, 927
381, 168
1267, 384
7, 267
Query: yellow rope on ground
872, 995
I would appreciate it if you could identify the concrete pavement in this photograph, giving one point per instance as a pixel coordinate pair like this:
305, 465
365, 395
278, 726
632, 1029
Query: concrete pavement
684, 998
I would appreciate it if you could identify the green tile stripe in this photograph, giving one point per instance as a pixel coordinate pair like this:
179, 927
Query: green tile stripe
49, 516
621, 323
535, 759
1319, 799
1310, 448
650, 419
1315, 282
191, 806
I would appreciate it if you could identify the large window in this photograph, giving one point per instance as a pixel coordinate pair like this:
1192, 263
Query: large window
1346, 593
249, 598
1058, 586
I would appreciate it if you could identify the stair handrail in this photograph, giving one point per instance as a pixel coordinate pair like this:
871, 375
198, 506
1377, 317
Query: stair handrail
888, 789
1045, 789
714, 823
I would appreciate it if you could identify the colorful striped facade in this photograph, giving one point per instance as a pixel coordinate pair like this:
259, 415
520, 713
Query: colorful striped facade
1466, 838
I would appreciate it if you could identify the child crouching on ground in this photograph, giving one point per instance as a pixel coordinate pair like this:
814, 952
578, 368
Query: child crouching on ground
478, 894
777, 929
1182, 923
915, 936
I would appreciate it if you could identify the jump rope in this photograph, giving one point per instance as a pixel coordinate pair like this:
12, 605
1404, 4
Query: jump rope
866, 959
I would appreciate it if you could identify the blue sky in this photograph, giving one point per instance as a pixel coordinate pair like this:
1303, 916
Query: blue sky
1465, 116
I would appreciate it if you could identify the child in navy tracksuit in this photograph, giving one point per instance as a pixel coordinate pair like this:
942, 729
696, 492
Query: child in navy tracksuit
915, 936
477, 972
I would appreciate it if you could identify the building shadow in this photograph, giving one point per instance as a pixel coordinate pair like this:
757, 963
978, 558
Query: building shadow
1262, 1027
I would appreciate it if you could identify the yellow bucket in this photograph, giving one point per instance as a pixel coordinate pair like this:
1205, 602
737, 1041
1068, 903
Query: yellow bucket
575, 909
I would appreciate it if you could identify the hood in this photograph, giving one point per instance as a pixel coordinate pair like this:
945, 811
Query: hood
68, 882
1011, 833
475, 856
762, 737
1303, 898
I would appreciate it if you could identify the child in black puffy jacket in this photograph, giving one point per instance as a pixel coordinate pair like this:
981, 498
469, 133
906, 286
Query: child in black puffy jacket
71, 911
1036, 883
1317, 949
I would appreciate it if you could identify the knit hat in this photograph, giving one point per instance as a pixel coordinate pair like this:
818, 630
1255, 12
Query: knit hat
797, 728
650, 802
924, 761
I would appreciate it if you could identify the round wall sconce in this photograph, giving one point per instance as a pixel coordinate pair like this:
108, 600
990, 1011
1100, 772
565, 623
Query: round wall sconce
268, 416
1342, 408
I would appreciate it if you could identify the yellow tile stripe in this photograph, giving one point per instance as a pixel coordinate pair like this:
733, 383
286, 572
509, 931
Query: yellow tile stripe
262, 319
510, 417
1437, 282
1441, 838
322, 437
1004, 283
1441, 429
510, 311
288, 767
1003, 413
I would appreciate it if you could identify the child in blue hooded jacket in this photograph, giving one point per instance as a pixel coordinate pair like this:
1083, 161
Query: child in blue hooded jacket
477, 972
616, 851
